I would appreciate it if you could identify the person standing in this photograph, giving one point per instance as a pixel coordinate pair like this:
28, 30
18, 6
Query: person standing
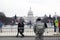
30, 23
45, 24
21, 27
39, 29
59, 26
1, 26
56, 24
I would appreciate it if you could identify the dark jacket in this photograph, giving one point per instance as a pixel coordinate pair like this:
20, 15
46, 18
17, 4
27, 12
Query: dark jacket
54, 24
59, 24
45, 25
1, 24
20, 27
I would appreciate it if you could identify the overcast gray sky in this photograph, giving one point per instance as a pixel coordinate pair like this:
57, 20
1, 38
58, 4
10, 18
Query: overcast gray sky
21, 7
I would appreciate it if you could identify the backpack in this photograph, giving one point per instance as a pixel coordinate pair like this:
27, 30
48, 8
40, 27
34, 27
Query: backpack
39, 25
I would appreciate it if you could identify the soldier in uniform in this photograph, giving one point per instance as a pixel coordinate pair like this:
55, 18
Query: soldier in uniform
39, 29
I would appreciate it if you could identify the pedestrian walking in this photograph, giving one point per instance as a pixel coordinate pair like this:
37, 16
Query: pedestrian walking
21, 27
39, 29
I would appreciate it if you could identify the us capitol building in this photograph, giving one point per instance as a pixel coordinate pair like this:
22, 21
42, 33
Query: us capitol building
30, 16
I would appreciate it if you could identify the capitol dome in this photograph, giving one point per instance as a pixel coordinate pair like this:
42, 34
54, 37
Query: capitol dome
30, 13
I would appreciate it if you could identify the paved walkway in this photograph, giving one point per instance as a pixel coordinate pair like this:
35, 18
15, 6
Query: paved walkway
28, 38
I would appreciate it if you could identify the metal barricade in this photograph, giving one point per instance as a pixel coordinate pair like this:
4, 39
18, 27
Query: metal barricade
12, 30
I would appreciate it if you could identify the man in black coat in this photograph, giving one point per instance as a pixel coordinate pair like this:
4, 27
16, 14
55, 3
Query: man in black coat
21, 27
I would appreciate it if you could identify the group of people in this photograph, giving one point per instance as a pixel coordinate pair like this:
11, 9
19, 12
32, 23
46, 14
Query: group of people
39, 27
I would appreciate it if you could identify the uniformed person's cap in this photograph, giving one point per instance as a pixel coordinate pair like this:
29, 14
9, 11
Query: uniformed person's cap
38, 19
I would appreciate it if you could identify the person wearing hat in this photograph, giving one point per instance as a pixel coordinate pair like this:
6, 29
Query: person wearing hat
39, 29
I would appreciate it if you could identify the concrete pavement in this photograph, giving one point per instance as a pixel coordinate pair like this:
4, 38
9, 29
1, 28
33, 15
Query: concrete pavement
29, 38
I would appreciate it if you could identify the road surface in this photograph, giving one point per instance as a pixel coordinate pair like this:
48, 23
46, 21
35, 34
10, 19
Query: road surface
29, 38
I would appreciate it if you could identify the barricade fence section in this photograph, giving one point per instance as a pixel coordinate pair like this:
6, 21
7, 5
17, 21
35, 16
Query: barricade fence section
12, 30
